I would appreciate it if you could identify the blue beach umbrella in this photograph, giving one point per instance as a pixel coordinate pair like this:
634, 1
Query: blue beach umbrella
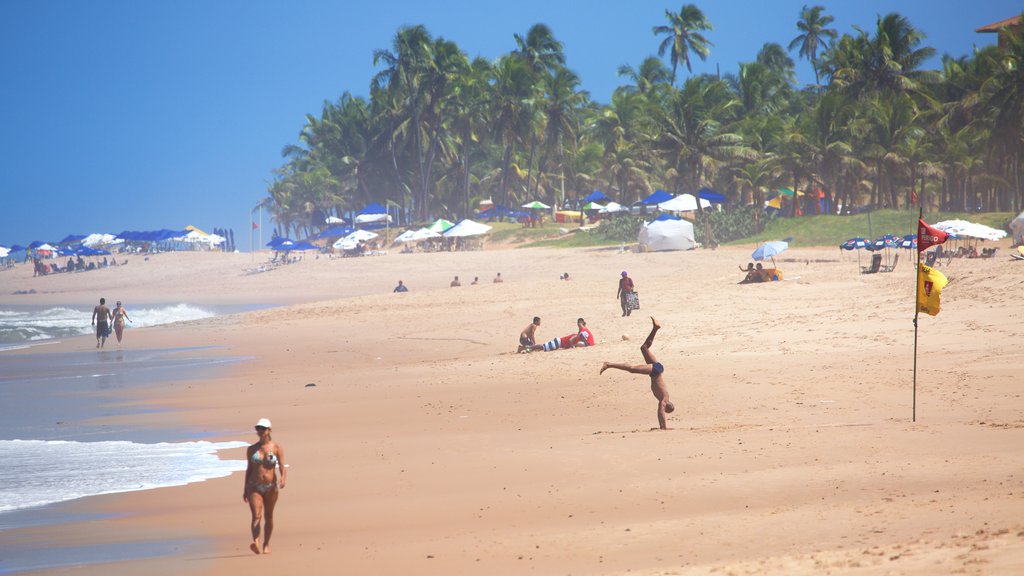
769, 250
855, 244
909, 242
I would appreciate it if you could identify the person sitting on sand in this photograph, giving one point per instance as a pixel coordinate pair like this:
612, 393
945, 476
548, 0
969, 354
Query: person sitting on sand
565, 277
260, 491
651, 368
476, 280
582, 338
751, 276
401, 287
498, 279
527, 338
455, 283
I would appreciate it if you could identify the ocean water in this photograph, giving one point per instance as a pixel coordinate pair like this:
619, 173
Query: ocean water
19, 325
50, 471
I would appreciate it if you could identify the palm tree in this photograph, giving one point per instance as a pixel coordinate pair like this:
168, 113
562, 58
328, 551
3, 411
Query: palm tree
683, 36
539, 49
814, 36
651, 74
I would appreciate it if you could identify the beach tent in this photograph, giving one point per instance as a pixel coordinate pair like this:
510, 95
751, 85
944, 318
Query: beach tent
591, 206
277, 241
4, 252
667, 235
711, 196
466, 228
657, 197
595, 196
1017, 228
298, 246
683, 203
416, 235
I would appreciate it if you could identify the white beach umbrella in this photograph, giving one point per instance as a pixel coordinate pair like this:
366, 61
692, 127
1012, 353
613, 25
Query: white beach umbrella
465, 228
367, 218
4, 252
611, 208
683, 203
333, 220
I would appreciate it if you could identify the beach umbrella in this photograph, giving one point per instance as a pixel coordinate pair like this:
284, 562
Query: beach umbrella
440, 225
592, 206
465, 228
536, 205
277, 241
683, 203
855, 244
299, 247
909, 242
612, 208
769, 250
333, 220
4, 252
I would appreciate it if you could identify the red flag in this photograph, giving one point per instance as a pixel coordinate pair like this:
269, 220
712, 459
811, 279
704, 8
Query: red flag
928, 236
255, 225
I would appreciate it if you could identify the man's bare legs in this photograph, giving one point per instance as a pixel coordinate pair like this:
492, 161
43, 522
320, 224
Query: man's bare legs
645, 349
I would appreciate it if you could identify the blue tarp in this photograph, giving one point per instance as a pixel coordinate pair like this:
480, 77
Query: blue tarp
335, 232
658, 197
667, 216
711, 196
299, 246
17, 247
36, 244
150, 235
595, 196
373, 209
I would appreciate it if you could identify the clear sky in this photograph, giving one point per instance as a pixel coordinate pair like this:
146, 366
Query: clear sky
134, 115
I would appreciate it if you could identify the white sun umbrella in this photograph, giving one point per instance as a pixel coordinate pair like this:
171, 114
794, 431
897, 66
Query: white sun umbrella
4, 252
963, 228
404, 237
683, 203
98, 239
352, 240
333, 220
465, 228
423, 234
536, 205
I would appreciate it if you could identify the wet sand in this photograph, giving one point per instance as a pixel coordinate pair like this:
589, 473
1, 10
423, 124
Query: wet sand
428, 446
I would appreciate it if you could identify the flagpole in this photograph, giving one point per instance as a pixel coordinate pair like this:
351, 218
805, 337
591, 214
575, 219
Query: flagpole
917, 307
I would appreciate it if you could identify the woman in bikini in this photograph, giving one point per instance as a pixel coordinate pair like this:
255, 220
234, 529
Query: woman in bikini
120, 315
264, 459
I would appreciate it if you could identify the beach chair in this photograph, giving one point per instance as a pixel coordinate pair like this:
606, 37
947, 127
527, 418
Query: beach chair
876, 263
892, 267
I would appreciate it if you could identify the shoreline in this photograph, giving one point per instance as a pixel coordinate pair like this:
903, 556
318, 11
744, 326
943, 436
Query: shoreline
429, 446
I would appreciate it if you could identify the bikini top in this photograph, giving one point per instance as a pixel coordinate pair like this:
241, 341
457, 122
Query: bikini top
270, 461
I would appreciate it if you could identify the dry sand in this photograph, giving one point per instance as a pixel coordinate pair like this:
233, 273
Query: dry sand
428, 447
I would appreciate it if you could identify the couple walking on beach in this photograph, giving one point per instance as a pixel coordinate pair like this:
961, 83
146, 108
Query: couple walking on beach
103, 316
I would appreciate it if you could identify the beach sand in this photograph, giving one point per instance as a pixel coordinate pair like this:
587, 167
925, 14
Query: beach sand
427, 446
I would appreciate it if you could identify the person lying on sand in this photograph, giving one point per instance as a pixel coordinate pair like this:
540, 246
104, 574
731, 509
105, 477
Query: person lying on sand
651, 368
582, 338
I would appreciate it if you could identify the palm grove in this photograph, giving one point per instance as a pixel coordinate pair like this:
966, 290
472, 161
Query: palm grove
440, 131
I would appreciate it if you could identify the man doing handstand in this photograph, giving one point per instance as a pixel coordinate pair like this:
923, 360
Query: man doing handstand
652, 368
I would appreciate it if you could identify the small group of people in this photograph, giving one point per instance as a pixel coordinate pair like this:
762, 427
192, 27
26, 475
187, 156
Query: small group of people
581, 338
757, 273
103, 318
455, 283
41, 268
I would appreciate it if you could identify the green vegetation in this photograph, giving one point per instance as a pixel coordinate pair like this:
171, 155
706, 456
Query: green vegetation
441, 131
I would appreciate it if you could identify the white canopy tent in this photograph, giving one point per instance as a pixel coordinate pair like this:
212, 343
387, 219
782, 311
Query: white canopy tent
367, 218
667, 235
466, 228
612, 208
683, 203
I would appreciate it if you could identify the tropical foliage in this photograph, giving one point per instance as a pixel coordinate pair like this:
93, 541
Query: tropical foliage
441, 131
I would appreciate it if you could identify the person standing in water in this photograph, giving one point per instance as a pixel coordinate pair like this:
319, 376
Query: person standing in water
263, 460
651, 368
100, 319
120, 315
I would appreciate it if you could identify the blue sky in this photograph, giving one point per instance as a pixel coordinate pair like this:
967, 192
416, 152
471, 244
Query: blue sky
135, 115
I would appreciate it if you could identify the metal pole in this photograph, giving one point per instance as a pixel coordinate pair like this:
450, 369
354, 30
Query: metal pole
917, 281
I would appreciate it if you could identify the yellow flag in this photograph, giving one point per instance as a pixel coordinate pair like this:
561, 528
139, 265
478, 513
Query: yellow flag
930, 283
